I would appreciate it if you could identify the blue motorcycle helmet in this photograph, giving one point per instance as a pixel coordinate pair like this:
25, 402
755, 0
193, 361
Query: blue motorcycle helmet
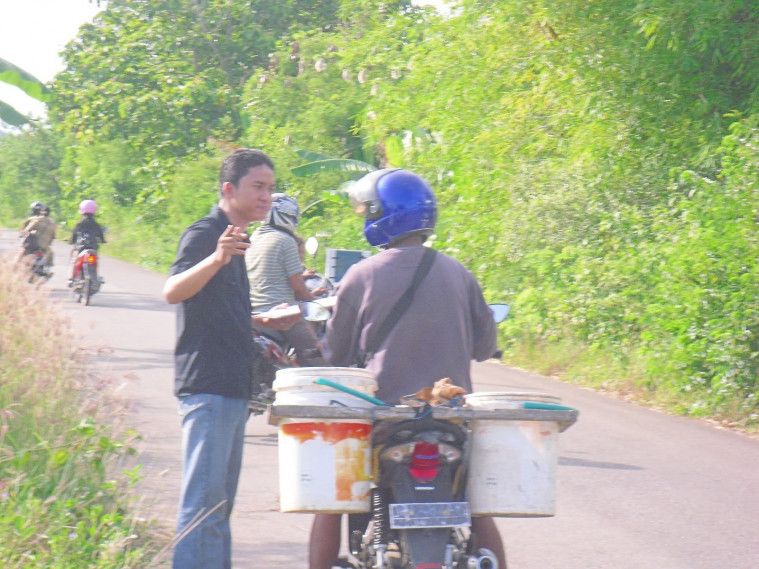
395, 203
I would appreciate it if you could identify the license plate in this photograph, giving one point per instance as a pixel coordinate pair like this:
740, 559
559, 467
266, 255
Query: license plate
429, 515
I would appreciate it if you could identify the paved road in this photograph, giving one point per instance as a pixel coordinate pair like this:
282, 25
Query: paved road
636, 488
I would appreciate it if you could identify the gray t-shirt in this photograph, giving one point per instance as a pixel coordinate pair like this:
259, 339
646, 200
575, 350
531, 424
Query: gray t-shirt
271, 260
446, 326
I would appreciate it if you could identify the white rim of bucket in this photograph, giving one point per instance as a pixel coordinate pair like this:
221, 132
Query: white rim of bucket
498, 396
304, 377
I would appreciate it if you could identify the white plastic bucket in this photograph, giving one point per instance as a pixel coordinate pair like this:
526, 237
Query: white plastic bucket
324, 465
512, 470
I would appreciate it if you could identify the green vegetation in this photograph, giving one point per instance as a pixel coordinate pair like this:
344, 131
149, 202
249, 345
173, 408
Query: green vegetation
61, 505
596, 162
14, 75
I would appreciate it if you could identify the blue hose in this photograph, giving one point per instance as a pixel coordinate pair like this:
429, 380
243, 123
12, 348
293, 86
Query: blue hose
350, 391
546, 406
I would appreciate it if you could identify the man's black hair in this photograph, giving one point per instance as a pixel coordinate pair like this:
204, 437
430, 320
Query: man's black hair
237, 164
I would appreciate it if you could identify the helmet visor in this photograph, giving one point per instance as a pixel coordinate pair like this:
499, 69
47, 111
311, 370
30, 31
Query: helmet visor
358, 205
363, 195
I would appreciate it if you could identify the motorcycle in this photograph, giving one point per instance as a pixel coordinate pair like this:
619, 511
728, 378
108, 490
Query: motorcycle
39, 268
419, 508
422, 456
86, 281
419, 513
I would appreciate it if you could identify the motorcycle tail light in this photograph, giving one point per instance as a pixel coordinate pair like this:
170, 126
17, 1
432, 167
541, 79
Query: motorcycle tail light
425, 461
91, 259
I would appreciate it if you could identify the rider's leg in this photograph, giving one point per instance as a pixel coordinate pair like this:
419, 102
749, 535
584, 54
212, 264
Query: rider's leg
21, 254
324, 542
74, 254
488, 536
302, 337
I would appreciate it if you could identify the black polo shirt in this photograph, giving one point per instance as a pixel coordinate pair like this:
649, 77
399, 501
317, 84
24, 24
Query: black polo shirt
214, 351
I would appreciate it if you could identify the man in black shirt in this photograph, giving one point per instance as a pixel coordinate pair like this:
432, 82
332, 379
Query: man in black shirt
214, 356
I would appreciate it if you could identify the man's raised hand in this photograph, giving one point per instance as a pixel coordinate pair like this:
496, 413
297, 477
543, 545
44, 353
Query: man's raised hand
234, 241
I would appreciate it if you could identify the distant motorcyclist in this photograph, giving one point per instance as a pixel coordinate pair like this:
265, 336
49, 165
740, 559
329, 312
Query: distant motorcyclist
87, 234
46, 235
38, 232
35, 210
275, 273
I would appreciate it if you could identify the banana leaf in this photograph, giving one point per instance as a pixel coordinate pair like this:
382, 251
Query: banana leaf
25, 81
355, 168
11, 116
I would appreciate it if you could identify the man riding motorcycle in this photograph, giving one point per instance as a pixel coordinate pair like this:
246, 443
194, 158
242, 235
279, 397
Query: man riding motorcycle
35, 209
87, 234
276, 275
39, 232
446, 324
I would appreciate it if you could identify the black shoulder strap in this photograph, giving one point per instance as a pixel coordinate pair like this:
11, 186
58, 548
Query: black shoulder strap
401, 306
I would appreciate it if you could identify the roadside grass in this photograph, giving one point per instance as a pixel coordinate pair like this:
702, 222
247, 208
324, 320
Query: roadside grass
63, 490
589, 366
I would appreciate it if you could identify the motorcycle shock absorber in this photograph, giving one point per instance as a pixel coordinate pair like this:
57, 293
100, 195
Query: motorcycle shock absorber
381, 526
379, 516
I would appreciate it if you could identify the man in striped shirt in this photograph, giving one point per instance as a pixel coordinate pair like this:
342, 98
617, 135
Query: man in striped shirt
275, 273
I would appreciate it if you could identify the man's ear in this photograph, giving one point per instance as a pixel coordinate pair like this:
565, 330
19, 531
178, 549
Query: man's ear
226, 189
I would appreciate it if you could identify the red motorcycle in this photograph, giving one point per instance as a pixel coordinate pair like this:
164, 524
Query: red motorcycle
86, 281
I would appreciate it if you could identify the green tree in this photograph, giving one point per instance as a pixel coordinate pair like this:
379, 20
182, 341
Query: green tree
165, 76
29, 163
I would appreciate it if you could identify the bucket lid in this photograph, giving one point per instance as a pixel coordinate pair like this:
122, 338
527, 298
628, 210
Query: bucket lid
357, 378
495, 397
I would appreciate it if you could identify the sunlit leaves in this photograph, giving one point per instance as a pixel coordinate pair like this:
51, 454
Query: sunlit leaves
14, 75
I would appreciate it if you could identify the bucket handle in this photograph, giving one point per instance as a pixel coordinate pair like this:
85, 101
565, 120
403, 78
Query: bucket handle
350, 391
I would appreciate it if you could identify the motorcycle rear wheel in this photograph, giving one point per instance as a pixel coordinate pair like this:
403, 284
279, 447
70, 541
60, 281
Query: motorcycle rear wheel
87, 288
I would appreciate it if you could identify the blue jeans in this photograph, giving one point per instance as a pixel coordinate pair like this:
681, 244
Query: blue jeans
213, 430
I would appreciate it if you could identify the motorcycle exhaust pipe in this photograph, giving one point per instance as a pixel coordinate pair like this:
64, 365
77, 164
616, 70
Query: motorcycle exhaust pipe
485, 560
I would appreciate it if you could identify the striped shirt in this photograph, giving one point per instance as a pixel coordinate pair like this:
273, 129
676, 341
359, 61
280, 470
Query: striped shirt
271, 260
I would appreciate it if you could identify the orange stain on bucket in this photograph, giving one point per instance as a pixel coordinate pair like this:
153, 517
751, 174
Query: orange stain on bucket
329, 432
349, 440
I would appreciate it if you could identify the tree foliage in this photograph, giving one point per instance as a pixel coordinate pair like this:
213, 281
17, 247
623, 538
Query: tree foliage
28, 172
595, 162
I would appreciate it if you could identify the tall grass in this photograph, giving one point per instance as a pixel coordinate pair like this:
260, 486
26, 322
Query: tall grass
62, 499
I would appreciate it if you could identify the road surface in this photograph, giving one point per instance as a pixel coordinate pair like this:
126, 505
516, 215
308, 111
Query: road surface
637, 488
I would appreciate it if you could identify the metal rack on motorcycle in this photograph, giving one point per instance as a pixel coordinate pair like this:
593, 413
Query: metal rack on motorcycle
564, 417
